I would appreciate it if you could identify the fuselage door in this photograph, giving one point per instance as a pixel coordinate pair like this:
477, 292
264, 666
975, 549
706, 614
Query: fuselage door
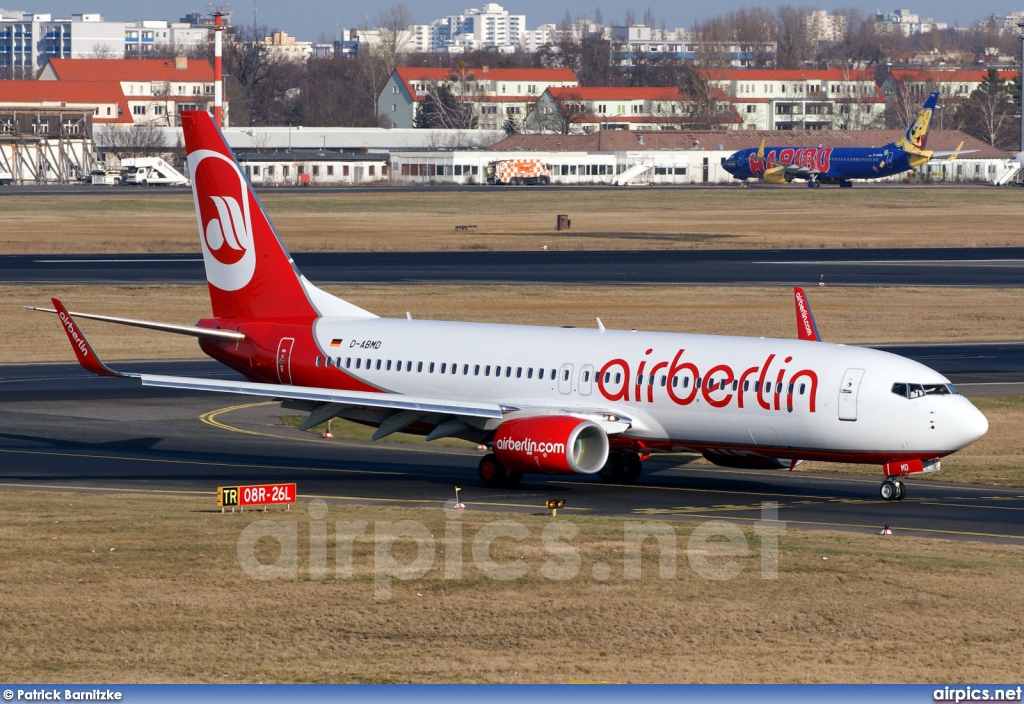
284, 360
586, 379
848, 393
565, 379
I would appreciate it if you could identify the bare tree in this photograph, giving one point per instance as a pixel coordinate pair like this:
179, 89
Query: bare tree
135, 141
378, 61
990, 114
103, 51
904, 105
260, 81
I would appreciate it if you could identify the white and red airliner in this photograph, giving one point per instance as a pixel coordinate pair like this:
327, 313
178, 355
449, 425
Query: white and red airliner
546, 400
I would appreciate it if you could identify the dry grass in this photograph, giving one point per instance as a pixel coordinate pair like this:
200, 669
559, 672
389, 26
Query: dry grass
171, 604
525, 219
843, 314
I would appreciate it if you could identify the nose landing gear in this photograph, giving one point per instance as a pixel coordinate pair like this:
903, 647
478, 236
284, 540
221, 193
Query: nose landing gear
892, 490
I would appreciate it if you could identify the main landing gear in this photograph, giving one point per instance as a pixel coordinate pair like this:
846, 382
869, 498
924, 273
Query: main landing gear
892, 490
621, 468
493, 475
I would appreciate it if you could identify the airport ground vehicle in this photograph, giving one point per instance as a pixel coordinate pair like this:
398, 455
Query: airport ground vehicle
101, 177
6, 177
150, 171
545, 399
518, 172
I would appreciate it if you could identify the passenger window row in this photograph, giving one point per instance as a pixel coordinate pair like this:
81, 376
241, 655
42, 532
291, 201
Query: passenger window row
506, 371
487, 370
708, 382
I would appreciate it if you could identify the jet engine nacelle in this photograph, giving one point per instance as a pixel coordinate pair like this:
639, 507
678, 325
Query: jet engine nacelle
551, 445
745, 460
778, 175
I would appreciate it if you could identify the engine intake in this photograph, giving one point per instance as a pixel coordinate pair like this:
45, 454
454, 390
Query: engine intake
778, 175
551, 445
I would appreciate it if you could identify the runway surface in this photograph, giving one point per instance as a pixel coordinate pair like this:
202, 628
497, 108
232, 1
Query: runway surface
61, 428
988, 267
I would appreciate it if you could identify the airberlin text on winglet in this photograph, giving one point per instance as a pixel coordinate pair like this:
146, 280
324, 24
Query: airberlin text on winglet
76, 339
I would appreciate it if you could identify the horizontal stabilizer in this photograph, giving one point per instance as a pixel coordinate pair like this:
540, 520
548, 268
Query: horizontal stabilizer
151, 325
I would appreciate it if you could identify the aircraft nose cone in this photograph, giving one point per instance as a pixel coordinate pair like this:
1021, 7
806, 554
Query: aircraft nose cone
970, 424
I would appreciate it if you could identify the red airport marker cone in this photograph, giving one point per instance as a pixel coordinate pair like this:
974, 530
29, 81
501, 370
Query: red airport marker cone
327, 433
886, 531
458, 504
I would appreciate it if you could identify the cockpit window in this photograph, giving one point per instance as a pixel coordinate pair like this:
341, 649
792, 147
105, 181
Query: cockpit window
918, 390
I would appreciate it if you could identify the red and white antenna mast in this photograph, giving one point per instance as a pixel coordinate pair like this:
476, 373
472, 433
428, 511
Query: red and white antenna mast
218, 76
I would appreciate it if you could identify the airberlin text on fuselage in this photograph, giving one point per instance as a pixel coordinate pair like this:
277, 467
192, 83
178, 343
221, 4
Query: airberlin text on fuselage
817, 158
764, 385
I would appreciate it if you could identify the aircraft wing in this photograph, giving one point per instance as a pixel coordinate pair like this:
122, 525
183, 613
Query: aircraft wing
361, 399
794, 169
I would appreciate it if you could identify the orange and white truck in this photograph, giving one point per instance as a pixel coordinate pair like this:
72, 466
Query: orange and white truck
518, 172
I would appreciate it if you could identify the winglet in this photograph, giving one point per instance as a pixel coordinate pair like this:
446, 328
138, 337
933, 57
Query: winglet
83, 350
806, 328
956, 152
760, 151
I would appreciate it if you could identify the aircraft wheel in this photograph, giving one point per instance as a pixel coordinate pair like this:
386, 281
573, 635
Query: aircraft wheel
492, 474
900, 491
614, 469
631, 472
887, 490
512, 479
846, 184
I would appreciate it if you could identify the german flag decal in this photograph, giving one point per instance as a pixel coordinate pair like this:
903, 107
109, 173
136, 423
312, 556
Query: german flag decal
336, 342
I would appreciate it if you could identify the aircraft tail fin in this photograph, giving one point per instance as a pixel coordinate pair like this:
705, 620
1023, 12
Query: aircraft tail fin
917, 133
806, 328
249, 271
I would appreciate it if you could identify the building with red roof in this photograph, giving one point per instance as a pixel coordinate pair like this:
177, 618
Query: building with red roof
103, 99
586, 110
802, 99
495, 94
155, 91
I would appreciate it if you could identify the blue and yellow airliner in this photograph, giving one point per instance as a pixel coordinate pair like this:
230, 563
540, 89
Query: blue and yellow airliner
840, 165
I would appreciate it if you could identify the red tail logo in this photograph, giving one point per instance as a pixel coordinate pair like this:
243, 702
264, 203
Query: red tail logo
223, 208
